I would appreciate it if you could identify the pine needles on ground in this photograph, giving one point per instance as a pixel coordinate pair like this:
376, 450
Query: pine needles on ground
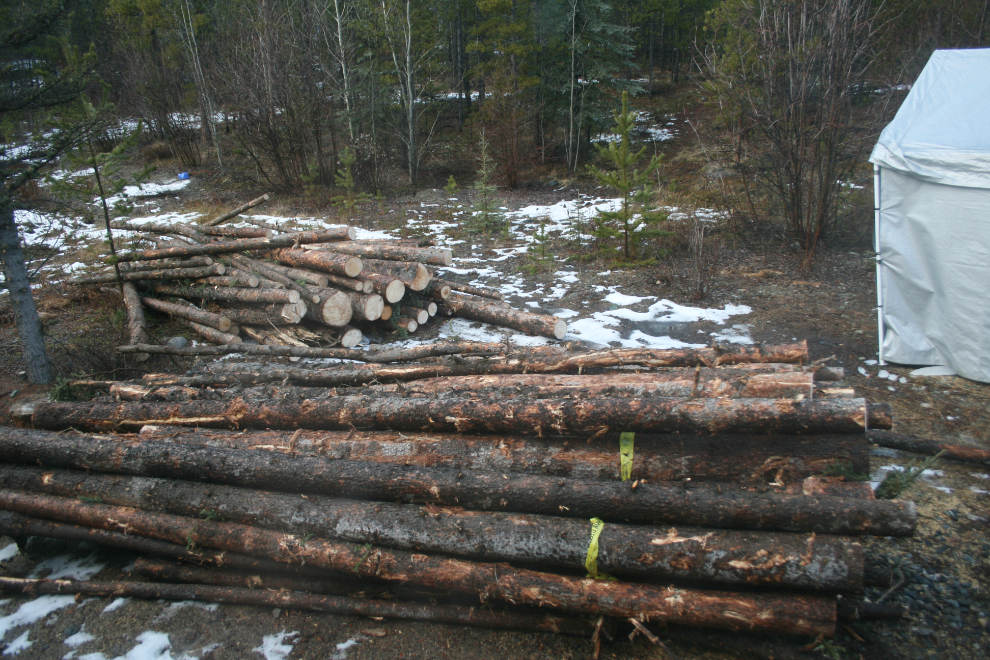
896, 483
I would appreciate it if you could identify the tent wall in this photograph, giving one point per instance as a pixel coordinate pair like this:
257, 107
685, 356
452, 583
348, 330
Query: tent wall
934, 274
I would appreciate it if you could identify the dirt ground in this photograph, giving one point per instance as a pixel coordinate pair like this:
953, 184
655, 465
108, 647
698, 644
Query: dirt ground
946, 566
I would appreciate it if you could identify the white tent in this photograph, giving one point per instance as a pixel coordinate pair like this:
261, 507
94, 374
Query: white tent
932, 187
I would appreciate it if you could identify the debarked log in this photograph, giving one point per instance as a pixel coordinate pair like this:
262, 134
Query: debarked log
493, 312
749, 460
521, 416
797, 614
703, 505
684, 555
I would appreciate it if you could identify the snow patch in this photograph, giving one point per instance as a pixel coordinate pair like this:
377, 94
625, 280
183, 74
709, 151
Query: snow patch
9, 552
273, 648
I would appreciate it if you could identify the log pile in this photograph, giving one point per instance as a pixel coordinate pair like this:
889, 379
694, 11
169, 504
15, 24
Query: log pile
315, 288
478, 478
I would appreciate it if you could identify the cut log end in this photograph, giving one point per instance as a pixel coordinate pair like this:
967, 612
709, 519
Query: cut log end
560, 329
353, 267
395, 291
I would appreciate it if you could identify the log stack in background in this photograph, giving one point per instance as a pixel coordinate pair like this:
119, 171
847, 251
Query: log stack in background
333, 285
469, 475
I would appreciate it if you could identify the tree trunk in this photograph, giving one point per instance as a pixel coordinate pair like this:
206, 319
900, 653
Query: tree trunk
39, 369
700, 504
407, 324
317, 279
237, 283
214, 335
328, 262
335, 309
347, 336
351, 283
137, 330
276, 314
437, 289
805, 615
494, 313
252, 281
414, 275
365, 307
236, 212
925, 447
392, 289
230, 294
417, 314
236, 232
394, 252
194, 262
467, 288
159, 274
228, 247
716, 558
189, 313
266, 271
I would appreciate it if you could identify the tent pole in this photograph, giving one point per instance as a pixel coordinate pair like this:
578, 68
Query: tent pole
876, 242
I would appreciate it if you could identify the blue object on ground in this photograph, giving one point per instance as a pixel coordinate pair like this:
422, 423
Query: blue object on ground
183, 176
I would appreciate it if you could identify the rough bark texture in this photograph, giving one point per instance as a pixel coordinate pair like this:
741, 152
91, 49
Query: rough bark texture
277, 314
195, 262
240, 209
236, 232
917, 445
386, 251
188, 312
227, 247
230, 294
700, 504
806, 615
748, 460
437, 289
214, 335
334, 309
467, 288
687, 555
326, 262
317, 279
157, 274
489, 312
350, 283
241, 282
137, 330
364, 307
405, 323
522, 416
266, 272
392, 289
414, 275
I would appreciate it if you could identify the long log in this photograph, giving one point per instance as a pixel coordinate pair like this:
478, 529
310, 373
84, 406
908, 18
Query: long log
230, 294
522, 416
350, 283
494, 313
805, 615
236, 212
413, 274
747, 460
194, 262
390, 288
240, 245
236, 232
468, 288
214, 335
252, 280
386, 251
157, 274
238, 282
699, 505
716, 558
269, 273
326, 262
917, 445
137, 329
275, 314
189, 312
317, 279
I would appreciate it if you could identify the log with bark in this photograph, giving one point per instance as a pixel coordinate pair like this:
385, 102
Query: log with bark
413, 274
699, 504
346, 335
468, 288
390, 288
792, 614
236, 232
237, 282
137, 330
717, 558
351, 283
156, 274
365, 307
917, 445
251, 279
522, 416
194, 262
212, 334
267, 272
405, 324
324, 262
418, 314
309, 277
335, 308
236, 212
438, 289
240, 245
386, 251
274, 314
494, 313
190, 313
747, 460
230, 294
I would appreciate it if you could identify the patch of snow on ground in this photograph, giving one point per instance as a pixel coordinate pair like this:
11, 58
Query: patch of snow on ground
621, 299
173, 609
116, 604
79, 638
68, 566
32, 611
9, 552
151, 646
273, 648
19, 644
341, 653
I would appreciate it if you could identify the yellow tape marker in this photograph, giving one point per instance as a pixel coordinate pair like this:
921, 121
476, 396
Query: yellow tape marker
591, 561
626, 455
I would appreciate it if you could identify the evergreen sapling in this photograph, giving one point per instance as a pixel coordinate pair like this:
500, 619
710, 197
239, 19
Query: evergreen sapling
486, 212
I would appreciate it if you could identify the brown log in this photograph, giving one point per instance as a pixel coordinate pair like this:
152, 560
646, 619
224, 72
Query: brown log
239, 245
327, 262
390, 288
349, 283
251, 279
473, 290
747, 460
405, 323
242, 282
269, 273
807, 615
418, 314
309, 277
139, 392
385, 250
414, 275
438, 289
137, 330
230, 293
700, 504
407, 242
716, 558
190, 313
195, 262
335, 308
494, 313
346, 335
158, 274
236, 232
214, 335
916, 445
275, 314
240, 209
386, 312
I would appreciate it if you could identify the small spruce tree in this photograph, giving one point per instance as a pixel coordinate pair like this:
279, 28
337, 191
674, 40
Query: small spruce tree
344, 178
637, 217
486, 214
